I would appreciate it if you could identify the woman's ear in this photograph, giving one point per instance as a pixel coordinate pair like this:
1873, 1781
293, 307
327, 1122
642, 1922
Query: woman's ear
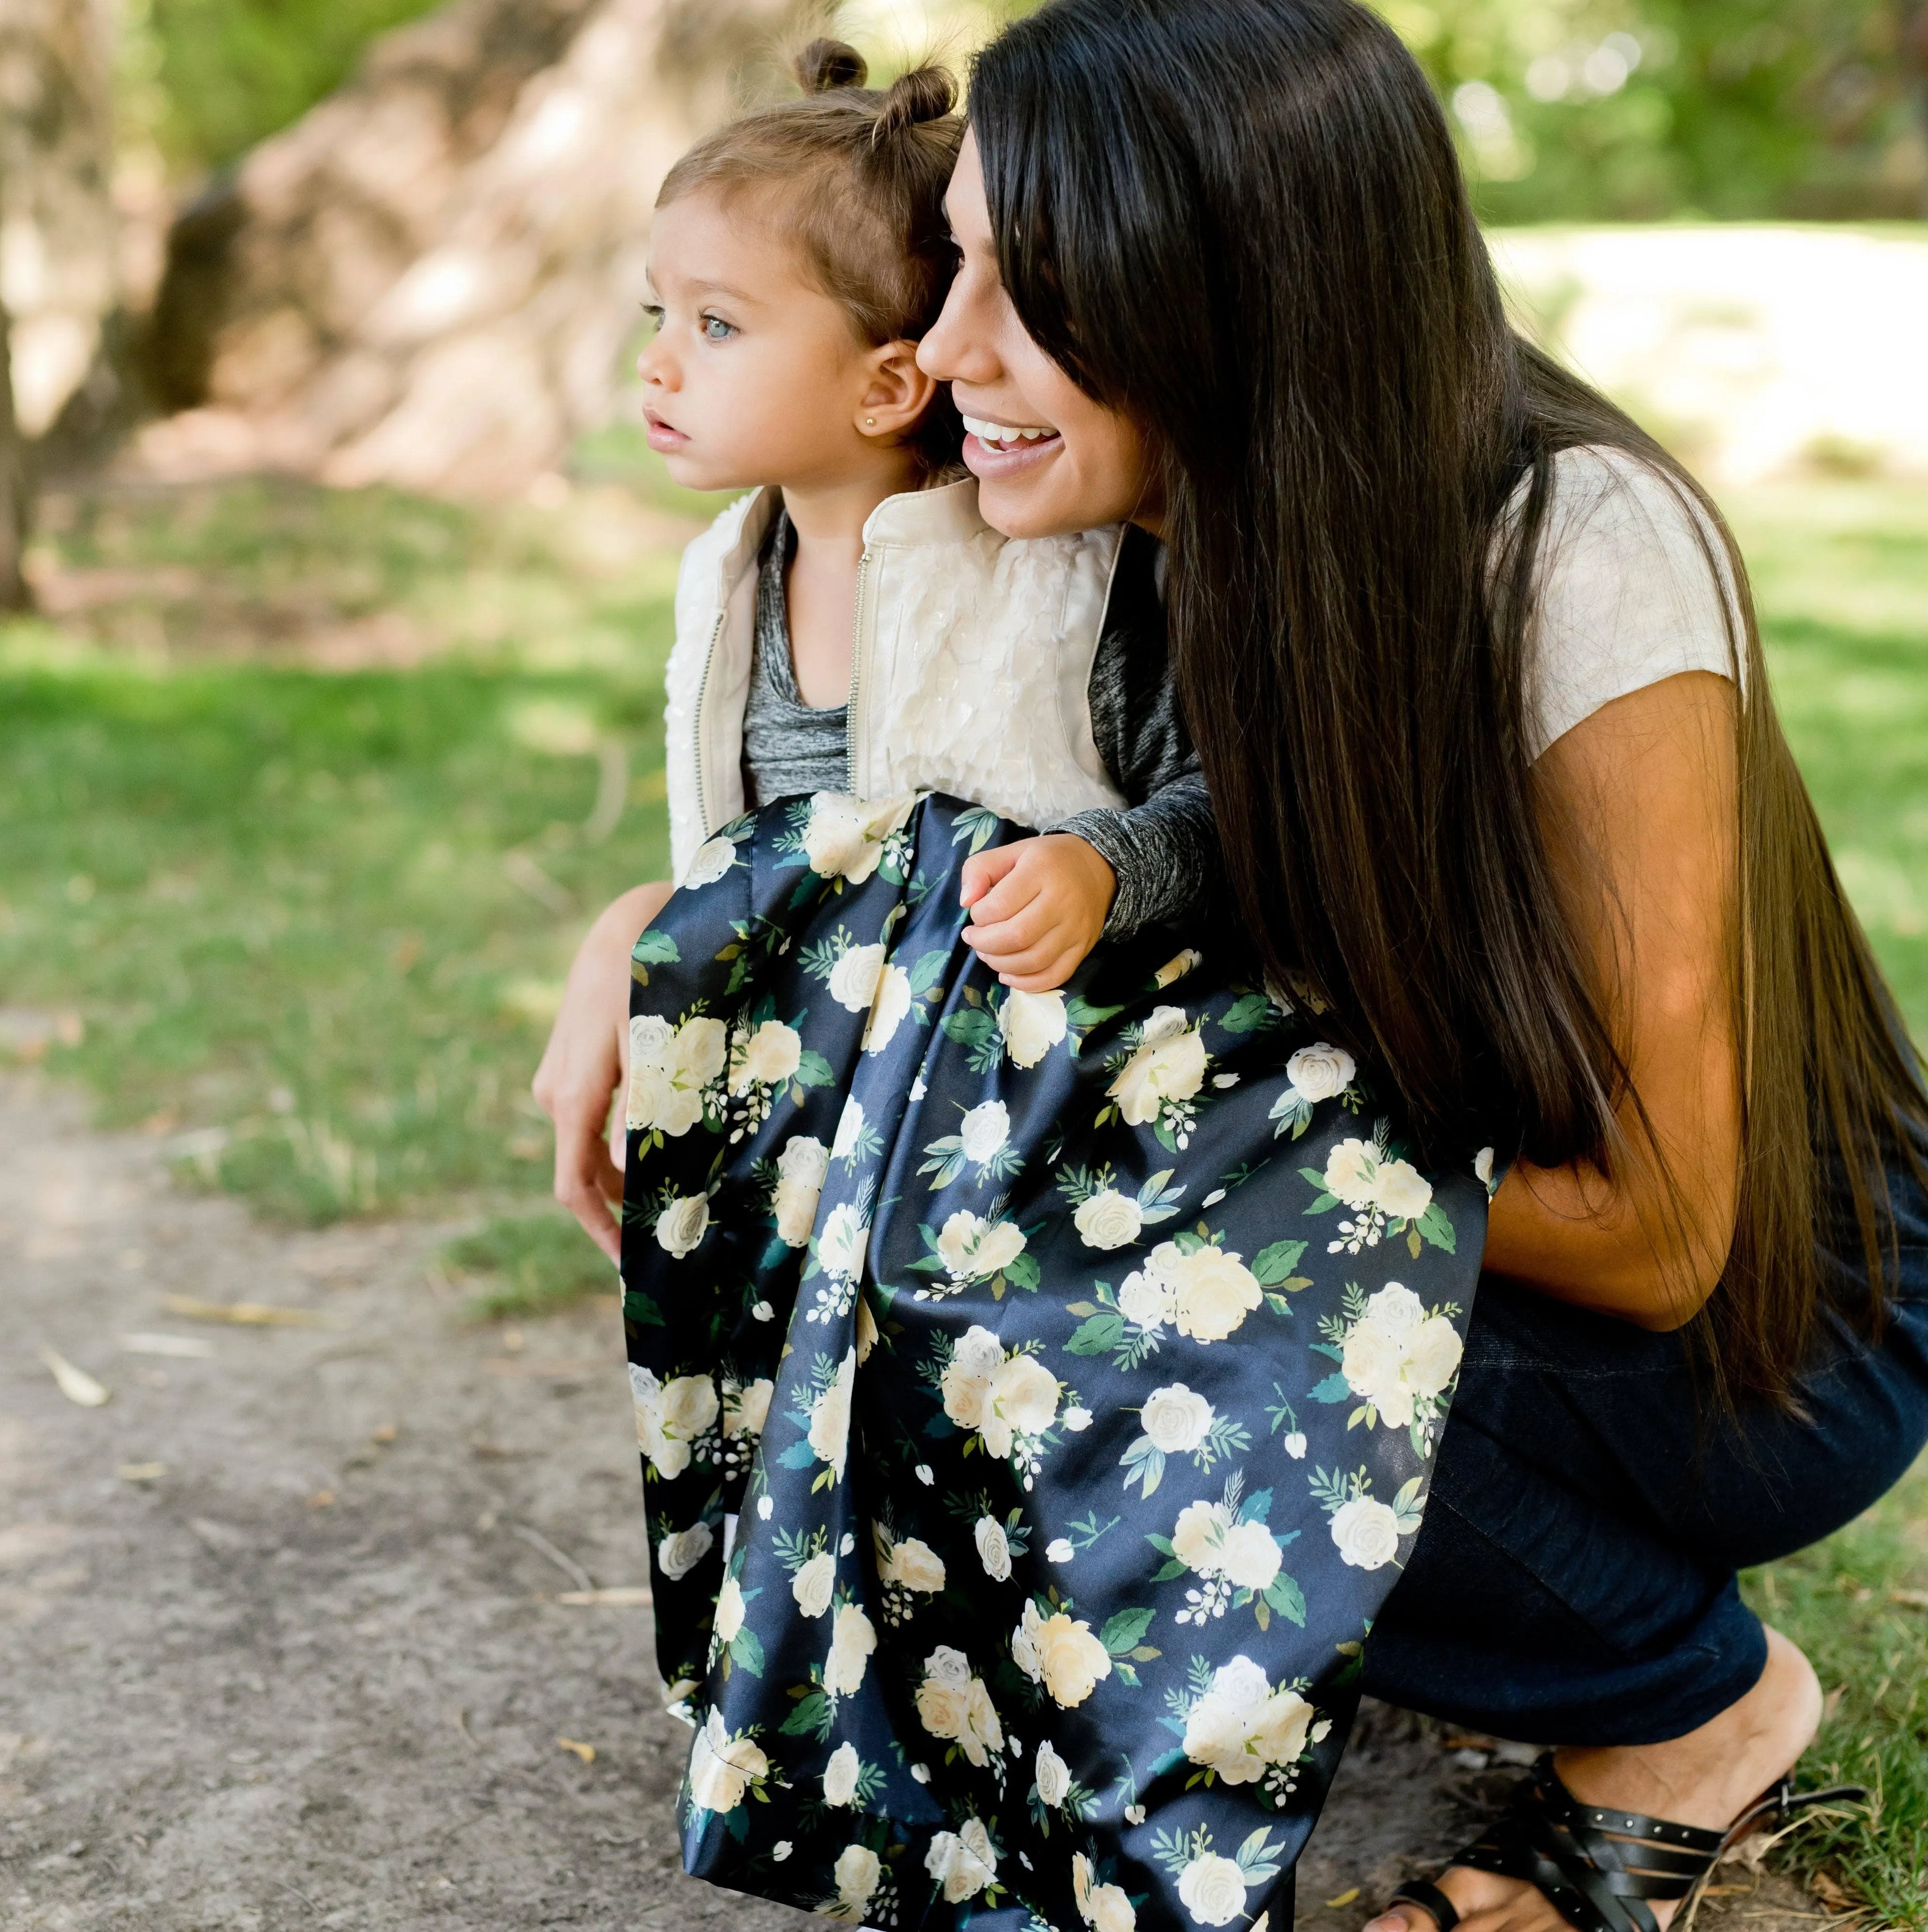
897, 393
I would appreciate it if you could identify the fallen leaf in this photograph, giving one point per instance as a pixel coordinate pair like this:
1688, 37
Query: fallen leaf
321, 1499
247, 1314
1915, 1599
1822, 1885
1343, 1898
77, 1384
189, 1347
386, 1433
586, 1752
620, 1596
1831, 1703
141, 1472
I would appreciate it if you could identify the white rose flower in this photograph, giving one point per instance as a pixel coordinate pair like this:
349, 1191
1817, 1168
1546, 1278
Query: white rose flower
840, 1775
1212, 1889
973, 1249
1370, 1364
1023, 1402
1352, 1173
1077, 1418
1403, 1191
1249, 1556
854, 978
713, 859
982, 1735
1053, 1775
1059, 1550
669, 1066
849, 1130
984, 1130
1482, 1167
1176, 1419
1200, 1528
856, 1873
1176, 968
1319, 1071
690, 1405
765, 1505
993, 1548
1218, 1728
730, 1609
1433, 1351
853, 1637
1295, 1445
766, 1057
844, 1242
830, 1417
963, 1862
746, 1410
1031, 1024
1168, 1066
814, 1581
943, 1709
1215, 1291
683, 1224
947, 1666
800, 1169
887, 1013
1280, 1727
867, 1331
1111, 1910
1109, 1219
722, 1767
844, 838
966, 1384
683, 1549
915, 1565
1147, 1298
1060, 1653
1366, 1533
1394, 1308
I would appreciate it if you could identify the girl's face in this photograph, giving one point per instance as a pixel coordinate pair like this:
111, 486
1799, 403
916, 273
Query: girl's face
1048, 459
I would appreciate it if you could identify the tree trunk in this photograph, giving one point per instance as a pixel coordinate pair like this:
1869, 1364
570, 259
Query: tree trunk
13, 495
429, 280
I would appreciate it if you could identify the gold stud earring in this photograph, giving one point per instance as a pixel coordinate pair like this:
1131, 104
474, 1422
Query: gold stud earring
870, 422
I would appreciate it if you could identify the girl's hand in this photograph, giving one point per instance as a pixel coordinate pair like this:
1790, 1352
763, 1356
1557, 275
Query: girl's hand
1036, 908
582, 1066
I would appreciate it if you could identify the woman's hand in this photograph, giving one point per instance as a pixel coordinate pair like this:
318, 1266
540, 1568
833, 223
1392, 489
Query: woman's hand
582, 1064
1638, 812
1037, 907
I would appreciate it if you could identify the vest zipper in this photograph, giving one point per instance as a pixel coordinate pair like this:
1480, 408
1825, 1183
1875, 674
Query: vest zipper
853, 721
702, 693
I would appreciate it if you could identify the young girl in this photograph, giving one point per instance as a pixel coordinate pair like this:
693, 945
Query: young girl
854, 625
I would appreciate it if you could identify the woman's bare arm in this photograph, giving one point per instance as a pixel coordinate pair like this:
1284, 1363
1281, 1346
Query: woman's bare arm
582, 1066
1638, 806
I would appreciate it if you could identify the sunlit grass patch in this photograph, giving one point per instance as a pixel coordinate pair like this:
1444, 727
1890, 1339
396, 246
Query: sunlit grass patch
530, 1265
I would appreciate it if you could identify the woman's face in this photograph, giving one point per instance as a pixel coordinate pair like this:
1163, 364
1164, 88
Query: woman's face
1048, 459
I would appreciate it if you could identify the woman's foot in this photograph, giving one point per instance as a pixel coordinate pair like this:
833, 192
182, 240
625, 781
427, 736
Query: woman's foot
1706, 1778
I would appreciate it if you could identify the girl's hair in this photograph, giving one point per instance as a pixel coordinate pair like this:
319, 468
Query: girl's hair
854, 178
1242, 222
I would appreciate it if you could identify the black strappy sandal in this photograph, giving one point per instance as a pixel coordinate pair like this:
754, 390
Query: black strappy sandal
1599, 1868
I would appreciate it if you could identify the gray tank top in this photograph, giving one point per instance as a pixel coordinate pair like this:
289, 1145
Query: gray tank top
788, 746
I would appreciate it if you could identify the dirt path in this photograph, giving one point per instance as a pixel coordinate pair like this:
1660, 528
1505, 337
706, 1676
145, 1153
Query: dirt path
282, 1642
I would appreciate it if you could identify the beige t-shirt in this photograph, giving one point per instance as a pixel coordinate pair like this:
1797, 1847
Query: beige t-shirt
1625, 595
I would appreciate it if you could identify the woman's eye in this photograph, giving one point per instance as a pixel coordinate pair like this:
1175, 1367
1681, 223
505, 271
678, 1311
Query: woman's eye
716, 329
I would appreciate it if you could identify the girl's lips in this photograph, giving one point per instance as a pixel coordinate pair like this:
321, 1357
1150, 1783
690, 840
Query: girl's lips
984, 462
662, 438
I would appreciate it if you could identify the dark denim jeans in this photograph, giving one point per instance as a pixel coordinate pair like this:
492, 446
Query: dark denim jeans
1574, 1581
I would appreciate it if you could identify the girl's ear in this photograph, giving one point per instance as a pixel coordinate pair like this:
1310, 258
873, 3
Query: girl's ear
897, 393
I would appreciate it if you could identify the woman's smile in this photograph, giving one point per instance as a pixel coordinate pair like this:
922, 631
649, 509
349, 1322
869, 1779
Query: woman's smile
995, 449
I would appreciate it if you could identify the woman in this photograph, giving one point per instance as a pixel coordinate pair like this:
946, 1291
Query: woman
1472, 672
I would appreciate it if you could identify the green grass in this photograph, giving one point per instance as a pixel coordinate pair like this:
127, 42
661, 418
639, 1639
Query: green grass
534, 1263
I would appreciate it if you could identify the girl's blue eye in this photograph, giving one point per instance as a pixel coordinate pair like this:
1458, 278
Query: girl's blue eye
716, 329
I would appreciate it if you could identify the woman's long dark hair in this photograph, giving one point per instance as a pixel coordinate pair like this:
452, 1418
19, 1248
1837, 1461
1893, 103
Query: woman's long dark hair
1243, 223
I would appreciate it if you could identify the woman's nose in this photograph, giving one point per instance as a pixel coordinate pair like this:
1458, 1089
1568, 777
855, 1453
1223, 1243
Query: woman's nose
958, 347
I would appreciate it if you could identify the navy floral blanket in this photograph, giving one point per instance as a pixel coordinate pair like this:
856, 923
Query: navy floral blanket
1036, 1393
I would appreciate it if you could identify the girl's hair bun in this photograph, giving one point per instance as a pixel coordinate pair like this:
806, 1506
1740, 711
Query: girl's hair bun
826, 65
924, 93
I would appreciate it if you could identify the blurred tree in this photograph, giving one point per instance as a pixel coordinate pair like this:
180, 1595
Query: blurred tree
12, 486
231, 72
1637, 108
